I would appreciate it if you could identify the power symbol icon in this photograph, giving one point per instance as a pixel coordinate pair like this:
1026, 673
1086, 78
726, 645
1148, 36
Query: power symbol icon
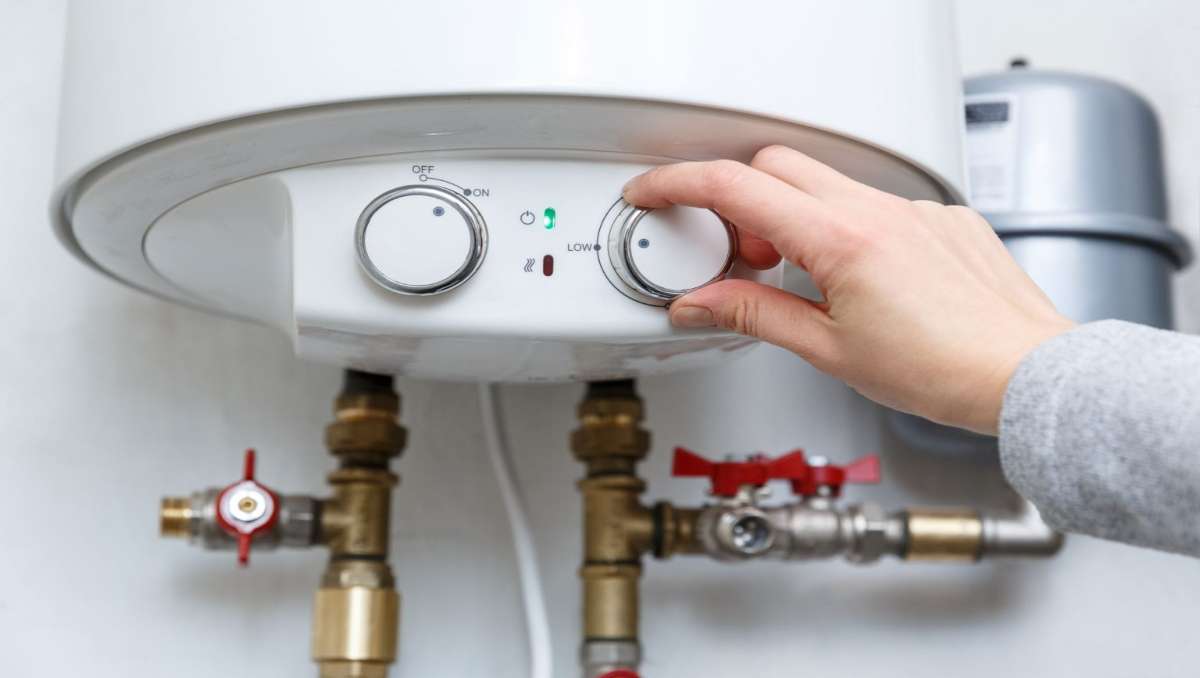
527, 217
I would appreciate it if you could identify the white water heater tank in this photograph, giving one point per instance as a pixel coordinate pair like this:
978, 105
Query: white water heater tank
433, 188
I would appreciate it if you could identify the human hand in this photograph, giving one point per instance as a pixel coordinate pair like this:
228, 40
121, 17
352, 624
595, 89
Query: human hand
924, 310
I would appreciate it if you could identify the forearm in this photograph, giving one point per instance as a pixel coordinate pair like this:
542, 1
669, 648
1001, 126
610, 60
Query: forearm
1100, 428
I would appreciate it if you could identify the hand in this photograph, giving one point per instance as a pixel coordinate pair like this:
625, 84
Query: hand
924, 310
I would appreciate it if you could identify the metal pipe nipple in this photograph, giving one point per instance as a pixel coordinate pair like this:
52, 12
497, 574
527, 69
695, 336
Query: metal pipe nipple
175, 517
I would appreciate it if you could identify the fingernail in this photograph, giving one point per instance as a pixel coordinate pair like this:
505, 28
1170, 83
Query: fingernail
692, 316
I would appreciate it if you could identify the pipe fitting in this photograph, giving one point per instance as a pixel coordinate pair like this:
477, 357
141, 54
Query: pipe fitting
617, 528
601, 657
967, 535
675, 530
194, 518
617, 531
175, 517
356, 619
1022, 535
355, 521
871, 533
808, 530
356, 611
610, 601
366, 429
945, 534
610, 438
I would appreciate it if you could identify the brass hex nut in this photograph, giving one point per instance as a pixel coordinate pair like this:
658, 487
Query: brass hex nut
610, 441
626, 409
367, 436
382, 402
363, 476
610, 428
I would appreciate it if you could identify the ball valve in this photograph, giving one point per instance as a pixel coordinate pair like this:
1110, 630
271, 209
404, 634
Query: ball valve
739, 528
247, 509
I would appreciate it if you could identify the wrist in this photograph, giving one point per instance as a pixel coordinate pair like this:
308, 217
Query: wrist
983, 416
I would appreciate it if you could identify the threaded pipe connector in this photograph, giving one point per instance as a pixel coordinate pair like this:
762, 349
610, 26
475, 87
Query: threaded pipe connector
175, 517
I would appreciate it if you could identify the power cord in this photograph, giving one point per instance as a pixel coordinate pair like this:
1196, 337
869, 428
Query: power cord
537, 625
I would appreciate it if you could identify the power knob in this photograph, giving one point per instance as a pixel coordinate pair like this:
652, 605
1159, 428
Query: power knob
659, 255
420, 240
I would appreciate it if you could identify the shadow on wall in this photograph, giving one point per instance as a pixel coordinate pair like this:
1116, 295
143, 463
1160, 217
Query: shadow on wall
817, 597
945, 476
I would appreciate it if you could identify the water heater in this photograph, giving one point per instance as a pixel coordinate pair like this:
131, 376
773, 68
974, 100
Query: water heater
433, 189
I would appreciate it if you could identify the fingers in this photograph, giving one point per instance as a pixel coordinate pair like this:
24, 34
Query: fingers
760, 311
759, 204
759, 254
806, 174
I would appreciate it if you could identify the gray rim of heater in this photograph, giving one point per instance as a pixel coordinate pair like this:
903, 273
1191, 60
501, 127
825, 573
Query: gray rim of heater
652, 289
471, 217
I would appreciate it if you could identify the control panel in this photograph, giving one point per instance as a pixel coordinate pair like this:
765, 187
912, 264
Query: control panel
484, 265
429, 239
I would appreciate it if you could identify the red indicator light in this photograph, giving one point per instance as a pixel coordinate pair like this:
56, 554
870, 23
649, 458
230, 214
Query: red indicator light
548, 265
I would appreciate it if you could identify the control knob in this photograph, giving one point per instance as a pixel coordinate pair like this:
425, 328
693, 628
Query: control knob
658, 255
421, 240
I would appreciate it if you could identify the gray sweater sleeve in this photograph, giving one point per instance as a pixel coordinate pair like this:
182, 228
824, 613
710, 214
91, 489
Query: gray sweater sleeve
1100, 429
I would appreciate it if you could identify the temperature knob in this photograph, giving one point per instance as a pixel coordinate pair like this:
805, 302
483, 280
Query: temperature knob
662, 254
421, 240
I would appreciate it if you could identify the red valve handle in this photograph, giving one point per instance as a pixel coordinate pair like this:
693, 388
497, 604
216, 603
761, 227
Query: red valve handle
728, 476
620, 673
861, 471
247, 509
758, 470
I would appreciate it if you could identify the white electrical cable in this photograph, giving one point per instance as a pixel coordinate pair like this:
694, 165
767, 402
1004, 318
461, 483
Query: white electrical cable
537, 625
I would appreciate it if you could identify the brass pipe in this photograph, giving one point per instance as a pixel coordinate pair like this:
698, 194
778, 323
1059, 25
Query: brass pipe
356, 619
356, 612
610, 601
617, 528
946, 534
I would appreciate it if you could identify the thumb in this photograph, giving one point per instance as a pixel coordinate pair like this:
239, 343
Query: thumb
759, 311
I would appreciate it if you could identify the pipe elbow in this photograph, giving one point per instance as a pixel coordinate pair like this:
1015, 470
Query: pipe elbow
1023, 535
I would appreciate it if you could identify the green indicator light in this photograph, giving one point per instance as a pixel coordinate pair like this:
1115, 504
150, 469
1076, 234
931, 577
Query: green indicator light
549, 217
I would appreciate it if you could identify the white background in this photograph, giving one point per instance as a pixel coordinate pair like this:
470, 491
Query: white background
111, 399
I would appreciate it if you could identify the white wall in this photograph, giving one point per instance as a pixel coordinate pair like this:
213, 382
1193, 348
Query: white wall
112, 399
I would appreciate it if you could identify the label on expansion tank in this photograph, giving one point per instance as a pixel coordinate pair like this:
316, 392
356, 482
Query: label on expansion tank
991, 149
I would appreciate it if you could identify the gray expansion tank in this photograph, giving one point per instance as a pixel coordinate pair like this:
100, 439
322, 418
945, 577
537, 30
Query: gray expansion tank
1068, 169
